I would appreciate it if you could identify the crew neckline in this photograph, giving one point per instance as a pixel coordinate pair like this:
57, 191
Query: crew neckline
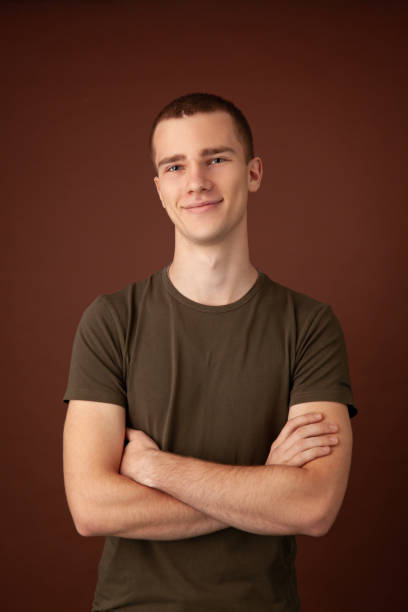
180, 297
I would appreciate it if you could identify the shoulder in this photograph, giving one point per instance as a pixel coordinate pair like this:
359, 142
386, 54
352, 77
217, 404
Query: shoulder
295, 305
121, 306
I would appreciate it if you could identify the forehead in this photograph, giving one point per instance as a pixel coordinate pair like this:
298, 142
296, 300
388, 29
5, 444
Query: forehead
188, 134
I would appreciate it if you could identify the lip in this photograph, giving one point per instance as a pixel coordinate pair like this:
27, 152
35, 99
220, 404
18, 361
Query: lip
206, 204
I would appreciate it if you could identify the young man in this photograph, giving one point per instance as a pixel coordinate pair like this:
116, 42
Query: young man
231, 390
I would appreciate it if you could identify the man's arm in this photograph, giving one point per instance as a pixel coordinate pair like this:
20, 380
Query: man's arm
104, 502
332, 471
267, 499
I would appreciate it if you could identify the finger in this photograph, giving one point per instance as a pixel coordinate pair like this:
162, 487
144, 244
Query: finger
296, 422
315, 429
313, 442
308, 455
131, 433
305, 444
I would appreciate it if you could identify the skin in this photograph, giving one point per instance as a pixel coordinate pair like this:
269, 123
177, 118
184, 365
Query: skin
106, 496
142, 492
299, 490
211, 262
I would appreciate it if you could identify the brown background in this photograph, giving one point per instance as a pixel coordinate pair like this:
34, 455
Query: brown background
324, 88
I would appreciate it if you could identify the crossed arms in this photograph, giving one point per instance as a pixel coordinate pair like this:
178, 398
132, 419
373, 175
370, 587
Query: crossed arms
143, 492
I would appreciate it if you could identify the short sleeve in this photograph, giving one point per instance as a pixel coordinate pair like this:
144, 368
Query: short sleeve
97, 360
321, 371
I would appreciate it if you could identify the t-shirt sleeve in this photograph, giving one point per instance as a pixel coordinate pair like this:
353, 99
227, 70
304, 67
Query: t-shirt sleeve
97, 360
321, 371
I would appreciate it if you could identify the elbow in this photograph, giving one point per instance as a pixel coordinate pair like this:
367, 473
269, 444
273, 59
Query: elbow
87, 513
318, 529
89, 529
320, 523
84, 529
84, 526
85, 522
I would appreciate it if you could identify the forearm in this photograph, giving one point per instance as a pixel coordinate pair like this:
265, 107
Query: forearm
115, 505
267, 499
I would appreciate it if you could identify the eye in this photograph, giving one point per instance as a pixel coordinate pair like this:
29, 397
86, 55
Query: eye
215, 158
175, 166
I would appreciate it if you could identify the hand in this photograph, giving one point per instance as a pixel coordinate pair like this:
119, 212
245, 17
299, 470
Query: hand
136, 455
301, 440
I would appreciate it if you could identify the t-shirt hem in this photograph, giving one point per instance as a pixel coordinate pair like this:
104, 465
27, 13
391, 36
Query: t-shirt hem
325, 395
92, 396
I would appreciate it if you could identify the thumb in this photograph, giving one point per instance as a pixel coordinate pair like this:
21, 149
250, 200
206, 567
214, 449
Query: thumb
130, 433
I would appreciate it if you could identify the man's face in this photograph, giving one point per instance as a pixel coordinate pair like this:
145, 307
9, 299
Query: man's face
219, 175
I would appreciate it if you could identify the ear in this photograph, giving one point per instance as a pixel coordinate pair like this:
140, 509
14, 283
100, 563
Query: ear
254, 173
157, 183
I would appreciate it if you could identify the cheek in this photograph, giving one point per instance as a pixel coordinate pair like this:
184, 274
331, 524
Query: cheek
237, 189
166, 197
171, 194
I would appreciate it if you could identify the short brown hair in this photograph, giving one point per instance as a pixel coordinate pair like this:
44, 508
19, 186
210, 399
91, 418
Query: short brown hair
193, 103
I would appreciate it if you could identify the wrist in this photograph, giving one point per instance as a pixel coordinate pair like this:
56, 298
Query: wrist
148, 468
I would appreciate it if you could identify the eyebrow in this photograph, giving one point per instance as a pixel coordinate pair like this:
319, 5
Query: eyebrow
203, 153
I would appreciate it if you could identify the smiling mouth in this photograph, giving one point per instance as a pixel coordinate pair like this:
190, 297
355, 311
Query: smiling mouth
203, 206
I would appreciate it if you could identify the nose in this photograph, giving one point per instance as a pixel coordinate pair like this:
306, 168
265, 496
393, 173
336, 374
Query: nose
197, 177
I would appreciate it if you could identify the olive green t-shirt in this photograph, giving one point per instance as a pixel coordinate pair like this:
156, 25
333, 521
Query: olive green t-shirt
216, 383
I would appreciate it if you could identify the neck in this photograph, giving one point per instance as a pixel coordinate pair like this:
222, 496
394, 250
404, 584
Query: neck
212, 275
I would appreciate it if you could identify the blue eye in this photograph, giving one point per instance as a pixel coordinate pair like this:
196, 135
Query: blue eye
178, 165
